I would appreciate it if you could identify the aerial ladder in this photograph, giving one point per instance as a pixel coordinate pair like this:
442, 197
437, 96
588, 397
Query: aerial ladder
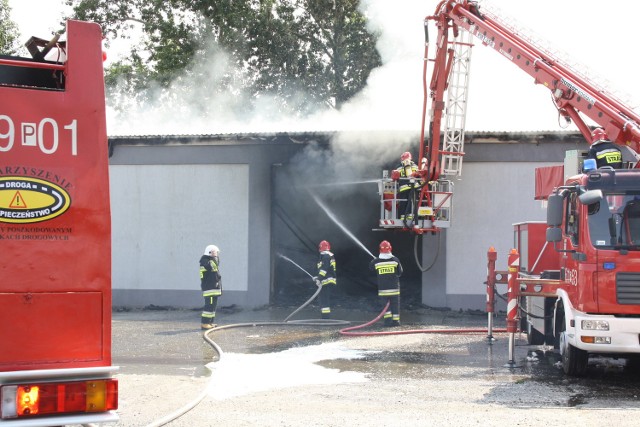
441, 151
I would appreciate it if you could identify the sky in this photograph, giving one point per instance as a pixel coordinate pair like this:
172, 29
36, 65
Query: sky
586, 34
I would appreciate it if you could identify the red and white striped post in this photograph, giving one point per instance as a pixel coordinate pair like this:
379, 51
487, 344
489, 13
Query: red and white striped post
512, 302
492, 255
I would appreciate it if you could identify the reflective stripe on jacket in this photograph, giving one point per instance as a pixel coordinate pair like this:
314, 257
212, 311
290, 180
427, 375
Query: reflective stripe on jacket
404, 180
210, 274
327, 268
388, 269
606, 153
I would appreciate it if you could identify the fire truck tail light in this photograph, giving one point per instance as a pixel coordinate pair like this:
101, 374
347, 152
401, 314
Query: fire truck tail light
26, 400
595, 325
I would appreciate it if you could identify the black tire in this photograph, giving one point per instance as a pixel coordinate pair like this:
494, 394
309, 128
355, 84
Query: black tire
632, 365
549, 338
534, 336
574, 360
559, 327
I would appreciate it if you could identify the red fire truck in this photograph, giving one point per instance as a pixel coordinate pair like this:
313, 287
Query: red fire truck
578, 286
55, 235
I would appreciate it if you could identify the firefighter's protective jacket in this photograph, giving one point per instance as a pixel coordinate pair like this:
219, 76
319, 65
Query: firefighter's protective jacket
210, 278
388, 269
605, 153
327, 268
406, 172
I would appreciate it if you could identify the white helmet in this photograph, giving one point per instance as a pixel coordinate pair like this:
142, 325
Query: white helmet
211, 248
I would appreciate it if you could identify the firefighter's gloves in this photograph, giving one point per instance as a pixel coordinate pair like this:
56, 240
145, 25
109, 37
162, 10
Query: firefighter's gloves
316, 280
395, 175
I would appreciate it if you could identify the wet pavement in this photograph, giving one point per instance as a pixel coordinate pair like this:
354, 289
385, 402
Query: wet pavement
270, 373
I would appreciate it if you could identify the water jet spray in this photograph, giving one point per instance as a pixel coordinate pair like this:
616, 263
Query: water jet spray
339, 224
368, 181
294, 263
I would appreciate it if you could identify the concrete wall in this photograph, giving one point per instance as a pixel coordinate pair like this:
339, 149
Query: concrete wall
488, 202
163, 216
170, 199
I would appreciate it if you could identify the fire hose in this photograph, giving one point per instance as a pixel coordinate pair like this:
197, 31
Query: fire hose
348, 331
305, 322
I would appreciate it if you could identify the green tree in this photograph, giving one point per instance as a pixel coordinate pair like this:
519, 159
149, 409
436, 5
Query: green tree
278, 48
9, 33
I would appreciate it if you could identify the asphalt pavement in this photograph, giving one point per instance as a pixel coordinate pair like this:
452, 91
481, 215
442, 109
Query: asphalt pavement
259, 370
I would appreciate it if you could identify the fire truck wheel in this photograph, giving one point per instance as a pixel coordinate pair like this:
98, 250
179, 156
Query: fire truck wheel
574, 360
632, 364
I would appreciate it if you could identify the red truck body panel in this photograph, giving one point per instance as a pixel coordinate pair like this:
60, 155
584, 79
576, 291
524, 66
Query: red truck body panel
55, 229
536, 255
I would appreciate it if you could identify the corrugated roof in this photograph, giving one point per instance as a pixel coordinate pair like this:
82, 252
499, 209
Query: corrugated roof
301, 137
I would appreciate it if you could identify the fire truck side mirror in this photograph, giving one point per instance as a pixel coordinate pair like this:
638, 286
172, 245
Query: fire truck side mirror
554, 210
554, 234
590, 197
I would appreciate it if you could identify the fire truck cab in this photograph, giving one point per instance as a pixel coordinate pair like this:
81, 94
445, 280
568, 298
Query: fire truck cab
593, 224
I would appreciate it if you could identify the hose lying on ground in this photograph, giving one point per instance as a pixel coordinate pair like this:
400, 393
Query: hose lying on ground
305, 322
349, 331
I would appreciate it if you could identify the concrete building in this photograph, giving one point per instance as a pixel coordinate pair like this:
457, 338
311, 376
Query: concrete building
263, 203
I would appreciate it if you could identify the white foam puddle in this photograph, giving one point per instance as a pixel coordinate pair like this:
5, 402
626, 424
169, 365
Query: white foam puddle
239, 374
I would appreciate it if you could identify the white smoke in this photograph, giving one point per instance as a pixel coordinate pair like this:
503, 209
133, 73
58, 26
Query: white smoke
385, 117
501, 97
391, 101
215, 103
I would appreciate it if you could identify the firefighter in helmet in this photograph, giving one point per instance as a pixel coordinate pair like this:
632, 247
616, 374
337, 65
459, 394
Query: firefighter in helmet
211, 284
388, 269
407, 183
326, 277
603, 151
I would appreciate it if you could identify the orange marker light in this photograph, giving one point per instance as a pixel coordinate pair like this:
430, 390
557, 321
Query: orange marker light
28, 400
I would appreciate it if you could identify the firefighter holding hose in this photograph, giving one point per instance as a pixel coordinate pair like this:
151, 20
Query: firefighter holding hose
326, 277
388, 269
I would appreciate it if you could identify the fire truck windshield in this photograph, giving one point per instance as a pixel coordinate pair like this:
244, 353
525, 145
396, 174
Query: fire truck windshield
614, 222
